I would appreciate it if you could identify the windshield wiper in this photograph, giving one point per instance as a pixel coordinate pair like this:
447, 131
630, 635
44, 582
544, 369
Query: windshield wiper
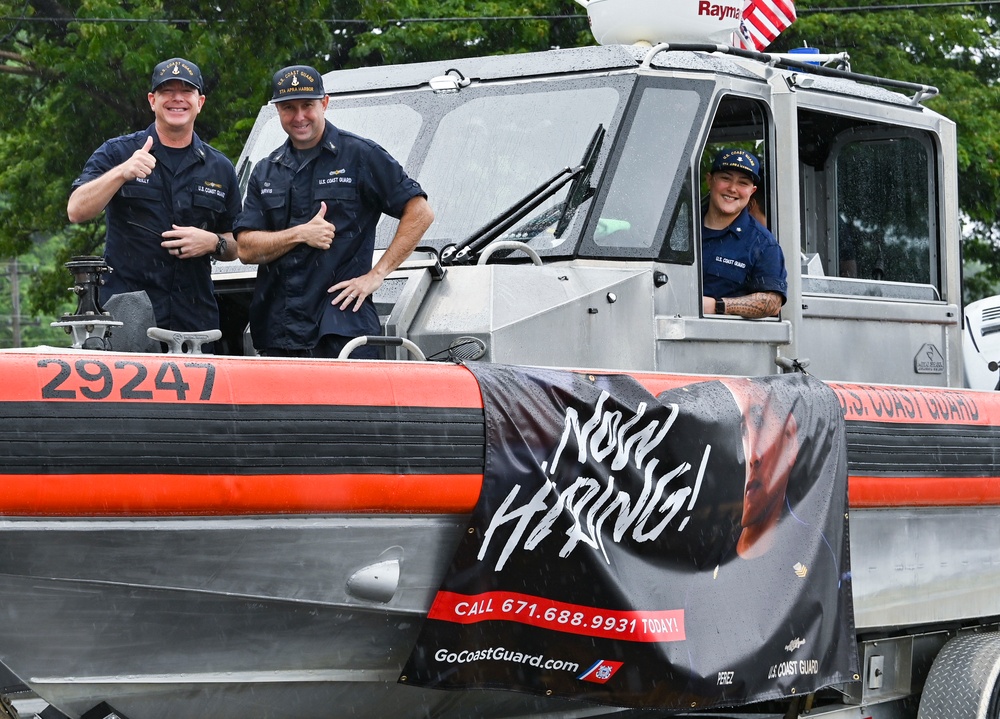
581, 190
464, 251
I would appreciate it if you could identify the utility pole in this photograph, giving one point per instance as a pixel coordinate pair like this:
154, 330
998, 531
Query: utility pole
15, 304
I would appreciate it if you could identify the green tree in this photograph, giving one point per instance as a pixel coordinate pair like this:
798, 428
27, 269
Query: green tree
392, 41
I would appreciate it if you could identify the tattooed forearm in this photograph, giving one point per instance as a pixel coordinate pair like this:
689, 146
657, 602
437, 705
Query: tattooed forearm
754, 306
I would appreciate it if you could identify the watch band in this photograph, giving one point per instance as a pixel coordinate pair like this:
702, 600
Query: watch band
220, 246
720, 306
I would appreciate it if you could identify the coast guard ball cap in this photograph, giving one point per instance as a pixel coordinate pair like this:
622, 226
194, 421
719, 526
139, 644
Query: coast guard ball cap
297, 82
738, 160
177, 68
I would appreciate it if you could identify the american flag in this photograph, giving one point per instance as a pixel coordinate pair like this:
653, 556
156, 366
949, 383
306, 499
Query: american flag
763, 20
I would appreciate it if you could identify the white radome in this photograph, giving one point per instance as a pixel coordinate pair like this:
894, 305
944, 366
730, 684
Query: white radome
649, 22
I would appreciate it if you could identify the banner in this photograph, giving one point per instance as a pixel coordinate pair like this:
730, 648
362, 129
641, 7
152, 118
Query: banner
681, 552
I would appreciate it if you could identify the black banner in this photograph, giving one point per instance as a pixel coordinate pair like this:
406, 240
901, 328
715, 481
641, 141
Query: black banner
682, 551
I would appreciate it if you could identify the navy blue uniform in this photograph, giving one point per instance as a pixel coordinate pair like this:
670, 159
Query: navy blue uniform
359, 181
201, 191
742, 259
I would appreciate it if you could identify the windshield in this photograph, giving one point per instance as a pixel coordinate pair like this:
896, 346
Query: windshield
493, 150
480, 151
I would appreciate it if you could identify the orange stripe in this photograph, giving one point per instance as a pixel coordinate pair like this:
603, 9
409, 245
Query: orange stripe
898, 492
897, 404
230, 495
182, 494
385, 384
26, 377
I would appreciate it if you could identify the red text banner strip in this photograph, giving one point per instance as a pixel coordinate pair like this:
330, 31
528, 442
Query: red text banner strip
632, 626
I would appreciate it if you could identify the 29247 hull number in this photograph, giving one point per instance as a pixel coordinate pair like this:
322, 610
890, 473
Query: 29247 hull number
128, 380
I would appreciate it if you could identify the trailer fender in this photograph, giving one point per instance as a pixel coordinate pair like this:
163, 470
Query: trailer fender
963, 680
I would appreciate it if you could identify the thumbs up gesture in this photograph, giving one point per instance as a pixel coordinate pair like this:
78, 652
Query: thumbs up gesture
141, 163
317, 232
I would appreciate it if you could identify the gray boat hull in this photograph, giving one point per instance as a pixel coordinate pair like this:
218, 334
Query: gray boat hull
240, 617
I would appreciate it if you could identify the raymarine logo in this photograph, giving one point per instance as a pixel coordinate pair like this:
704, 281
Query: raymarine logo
723, 12
796, 643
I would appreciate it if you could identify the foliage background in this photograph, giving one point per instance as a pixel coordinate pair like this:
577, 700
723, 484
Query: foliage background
76, 72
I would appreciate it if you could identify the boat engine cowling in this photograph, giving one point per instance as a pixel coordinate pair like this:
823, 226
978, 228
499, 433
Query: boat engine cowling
981, 344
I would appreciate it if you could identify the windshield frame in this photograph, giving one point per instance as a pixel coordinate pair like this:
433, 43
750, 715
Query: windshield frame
679, 189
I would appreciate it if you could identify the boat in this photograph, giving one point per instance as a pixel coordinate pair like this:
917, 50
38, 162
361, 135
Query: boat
228, 535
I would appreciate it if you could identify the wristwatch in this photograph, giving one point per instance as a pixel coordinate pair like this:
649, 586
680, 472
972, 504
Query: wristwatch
220, 246
720, 306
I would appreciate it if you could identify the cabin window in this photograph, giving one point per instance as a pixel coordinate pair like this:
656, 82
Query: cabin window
869, 217
491, 152
883, 226
740, 122
645, 210
395, 127
677, 248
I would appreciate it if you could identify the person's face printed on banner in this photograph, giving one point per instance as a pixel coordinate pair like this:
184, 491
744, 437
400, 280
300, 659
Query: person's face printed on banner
770, 447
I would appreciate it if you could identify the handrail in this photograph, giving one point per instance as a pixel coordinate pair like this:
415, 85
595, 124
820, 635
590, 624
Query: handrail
509, 245
921, 92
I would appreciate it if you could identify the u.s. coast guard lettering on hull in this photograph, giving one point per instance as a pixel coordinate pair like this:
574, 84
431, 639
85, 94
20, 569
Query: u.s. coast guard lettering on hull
615, 442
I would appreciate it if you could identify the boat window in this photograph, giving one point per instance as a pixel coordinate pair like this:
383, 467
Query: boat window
869, 217
743, 123
642, 214
883, 221
491, 151
677, 248
740, 122
394, 126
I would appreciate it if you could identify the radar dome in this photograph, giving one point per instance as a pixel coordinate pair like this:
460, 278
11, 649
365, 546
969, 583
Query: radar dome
629, 22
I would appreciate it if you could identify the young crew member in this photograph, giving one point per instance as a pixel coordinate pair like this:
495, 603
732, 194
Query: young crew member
744, 268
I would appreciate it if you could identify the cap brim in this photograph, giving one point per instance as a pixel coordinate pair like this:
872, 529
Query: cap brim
168, 79
734, 168
277, 100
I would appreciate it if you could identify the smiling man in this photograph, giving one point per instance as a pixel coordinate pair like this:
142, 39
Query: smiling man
744, 268
309, 222
171, 202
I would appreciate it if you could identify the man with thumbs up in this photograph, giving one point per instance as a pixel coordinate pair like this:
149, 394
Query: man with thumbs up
308, 223
170, 202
